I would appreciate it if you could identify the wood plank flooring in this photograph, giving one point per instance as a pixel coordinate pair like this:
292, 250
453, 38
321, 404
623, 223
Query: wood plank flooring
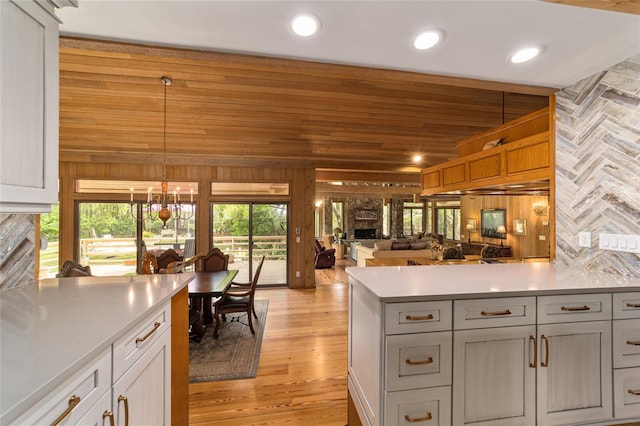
302, 375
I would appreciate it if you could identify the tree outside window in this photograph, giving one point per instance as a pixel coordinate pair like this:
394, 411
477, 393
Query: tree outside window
448, 219
412, 218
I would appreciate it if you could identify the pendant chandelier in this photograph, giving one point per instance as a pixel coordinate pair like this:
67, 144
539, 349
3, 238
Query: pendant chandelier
165, 205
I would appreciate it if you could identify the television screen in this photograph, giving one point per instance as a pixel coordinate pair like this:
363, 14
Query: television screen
490, 220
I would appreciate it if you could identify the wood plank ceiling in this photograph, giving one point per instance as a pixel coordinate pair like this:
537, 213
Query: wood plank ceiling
239, 110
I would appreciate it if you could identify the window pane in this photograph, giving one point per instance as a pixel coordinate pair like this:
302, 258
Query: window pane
107, 238
50, 230
336, 215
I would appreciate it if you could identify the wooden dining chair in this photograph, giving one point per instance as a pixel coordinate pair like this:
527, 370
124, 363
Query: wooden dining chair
237, 301
74, 269
213, 261
166, 257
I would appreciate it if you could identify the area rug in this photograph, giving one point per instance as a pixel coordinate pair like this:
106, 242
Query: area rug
234, 354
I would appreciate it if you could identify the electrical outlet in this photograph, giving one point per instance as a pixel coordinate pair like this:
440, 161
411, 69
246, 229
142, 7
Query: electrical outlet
584, 239
297, 274
542, 237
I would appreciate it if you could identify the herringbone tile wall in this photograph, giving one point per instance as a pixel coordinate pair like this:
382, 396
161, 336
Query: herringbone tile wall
598, 166
17, 234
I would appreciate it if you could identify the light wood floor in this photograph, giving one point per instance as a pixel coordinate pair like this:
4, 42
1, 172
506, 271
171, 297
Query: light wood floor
302, 375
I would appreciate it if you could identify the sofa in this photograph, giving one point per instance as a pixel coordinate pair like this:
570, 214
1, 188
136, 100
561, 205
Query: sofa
418, 246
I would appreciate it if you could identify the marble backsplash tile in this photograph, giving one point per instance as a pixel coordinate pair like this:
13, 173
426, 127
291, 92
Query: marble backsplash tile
598, 166
17, 256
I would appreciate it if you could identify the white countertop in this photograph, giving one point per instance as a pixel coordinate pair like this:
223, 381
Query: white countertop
52, 328
438, 282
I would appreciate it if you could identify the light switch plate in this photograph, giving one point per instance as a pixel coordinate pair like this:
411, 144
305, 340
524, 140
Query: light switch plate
619, 242
584, 239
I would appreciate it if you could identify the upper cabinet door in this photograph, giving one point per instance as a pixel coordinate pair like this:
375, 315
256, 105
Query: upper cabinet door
28, 107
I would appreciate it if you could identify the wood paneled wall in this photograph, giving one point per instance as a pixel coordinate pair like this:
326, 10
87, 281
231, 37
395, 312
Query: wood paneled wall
301, 207
517, 207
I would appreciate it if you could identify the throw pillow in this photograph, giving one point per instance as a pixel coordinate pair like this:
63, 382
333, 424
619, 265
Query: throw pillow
400, 245
418, 245
382, 245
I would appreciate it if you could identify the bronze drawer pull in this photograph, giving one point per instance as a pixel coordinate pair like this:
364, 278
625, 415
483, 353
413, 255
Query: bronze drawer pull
570, 309
633, 342
634, 392
124, 399
495, 314
419, 419
73, 403
545, 363
633, 305
423, 318
156, 325
426, 361
535, 352
109, 414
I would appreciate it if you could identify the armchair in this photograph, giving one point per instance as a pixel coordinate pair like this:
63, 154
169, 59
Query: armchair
325, 258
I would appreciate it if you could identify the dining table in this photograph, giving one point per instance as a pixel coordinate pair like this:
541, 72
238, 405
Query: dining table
202, 289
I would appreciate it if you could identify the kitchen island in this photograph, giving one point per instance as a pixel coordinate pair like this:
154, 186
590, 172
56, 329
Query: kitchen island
500, 344
68, 344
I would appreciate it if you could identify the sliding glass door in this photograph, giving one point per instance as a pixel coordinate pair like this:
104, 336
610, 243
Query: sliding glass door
246, 231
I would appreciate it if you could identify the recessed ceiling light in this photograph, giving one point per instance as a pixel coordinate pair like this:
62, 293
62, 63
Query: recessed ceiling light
417, 158
305, 24
524, 55
427, 39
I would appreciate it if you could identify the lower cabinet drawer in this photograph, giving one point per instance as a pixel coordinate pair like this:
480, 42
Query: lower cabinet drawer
130, 347
417, 317
626, 305
626, 392
418, 360
498, 312
430, 406
73, 399
574, 308
626, 343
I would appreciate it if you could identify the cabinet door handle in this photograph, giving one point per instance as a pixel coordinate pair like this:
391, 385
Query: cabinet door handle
575, 309
545, 363
633, 305
422, 318
633, 342
108, 414
495, 314
535, 352
418, 419
156, 326
126, 408
73, 402
423, 362
634, 392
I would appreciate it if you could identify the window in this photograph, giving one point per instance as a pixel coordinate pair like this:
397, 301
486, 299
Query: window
448, 219
50, 234
337, 208
386, 218
412, 218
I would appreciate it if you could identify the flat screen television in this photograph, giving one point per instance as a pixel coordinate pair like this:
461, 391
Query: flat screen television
490, 219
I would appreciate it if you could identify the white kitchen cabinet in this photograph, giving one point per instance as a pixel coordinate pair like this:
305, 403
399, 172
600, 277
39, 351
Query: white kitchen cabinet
28, 106
494, 376
574, 373
142, 396
73, 400
626, 355
538, 352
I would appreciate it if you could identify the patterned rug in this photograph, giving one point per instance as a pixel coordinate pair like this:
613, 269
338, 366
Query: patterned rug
234, 354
